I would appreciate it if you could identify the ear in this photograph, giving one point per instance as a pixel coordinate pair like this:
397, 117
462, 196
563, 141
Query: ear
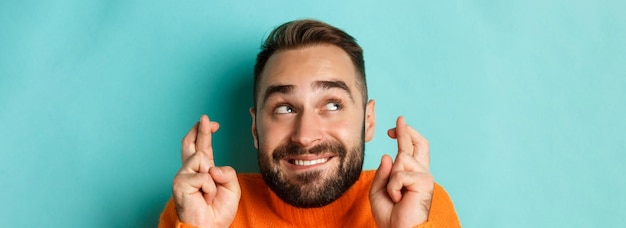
254, 132
370, 120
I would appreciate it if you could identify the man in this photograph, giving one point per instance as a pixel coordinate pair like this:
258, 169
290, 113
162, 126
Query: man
310, 120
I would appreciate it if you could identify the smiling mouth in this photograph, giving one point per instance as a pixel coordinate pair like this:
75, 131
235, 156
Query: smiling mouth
308, 162
303, 162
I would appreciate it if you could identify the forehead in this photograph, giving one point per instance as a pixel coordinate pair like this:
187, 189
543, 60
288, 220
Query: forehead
302, 66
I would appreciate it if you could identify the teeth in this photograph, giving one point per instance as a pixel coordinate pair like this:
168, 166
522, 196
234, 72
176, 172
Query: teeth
310, 162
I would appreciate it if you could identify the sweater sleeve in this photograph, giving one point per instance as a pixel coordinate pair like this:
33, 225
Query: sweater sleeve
442, 213
169, 218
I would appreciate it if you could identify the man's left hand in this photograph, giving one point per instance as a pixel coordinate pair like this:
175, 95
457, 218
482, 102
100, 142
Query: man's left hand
402, 190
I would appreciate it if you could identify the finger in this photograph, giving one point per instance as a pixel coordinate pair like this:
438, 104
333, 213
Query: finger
403, 137
397, 183
379, 183
226, 177
421, 148
196, 163
209, 188
204, 137
406, 162
402, 182
392, 133
189, 183
214, 126
189, 143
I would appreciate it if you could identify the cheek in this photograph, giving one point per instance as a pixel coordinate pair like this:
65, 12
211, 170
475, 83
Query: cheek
347, 130
271, 135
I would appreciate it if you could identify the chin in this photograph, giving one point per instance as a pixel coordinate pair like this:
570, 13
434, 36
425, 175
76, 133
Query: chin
315, 187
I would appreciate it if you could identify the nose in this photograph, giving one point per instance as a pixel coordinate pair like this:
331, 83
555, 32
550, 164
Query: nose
308, 130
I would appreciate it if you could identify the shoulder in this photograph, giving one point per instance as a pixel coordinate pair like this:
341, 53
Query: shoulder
253, 177
368, 174
250, 181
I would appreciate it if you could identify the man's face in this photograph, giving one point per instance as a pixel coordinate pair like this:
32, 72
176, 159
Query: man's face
310, 124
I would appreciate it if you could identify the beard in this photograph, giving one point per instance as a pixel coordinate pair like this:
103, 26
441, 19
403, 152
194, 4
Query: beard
314, 188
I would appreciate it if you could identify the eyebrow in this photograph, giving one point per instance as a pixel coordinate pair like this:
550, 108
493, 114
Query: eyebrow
273, 89
287, 89
333, 85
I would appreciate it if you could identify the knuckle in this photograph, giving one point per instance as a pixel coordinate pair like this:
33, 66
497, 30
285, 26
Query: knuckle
177, 183
412, 175
399, 175
426, 177
227, 170
190, 160
187, 139
207, 177
200, 155
403, 157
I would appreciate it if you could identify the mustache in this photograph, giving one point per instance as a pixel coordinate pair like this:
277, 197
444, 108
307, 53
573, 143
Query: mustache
293, 149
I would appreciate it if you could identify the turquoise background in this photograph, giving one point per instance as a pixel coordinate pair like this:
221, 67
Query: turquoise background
523, 101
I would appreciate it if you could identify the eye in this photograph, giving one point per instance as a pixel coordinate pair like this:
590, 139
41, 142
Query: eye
332, 106
283, 109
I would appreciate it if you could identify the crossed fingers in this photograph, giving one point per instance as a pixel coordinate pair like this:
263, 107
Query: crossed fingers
411, 144
199, 139
411, 167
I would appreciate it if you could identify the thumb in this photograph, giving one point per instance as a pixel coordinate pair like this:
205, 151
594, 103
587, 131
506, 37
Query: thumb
226, 177
382, 175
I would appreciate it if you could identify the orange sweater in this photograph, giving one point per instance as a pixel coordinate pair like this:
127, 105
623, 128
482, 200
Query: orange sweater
260, 207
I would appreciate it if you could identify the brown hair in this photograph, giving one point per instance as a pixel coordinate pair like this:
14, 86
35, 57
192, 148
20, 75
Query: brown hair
301, 33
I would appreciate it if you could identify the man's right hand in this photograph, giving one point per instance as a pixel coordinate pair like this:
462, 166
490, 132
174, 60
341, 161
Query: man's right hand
205, 195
